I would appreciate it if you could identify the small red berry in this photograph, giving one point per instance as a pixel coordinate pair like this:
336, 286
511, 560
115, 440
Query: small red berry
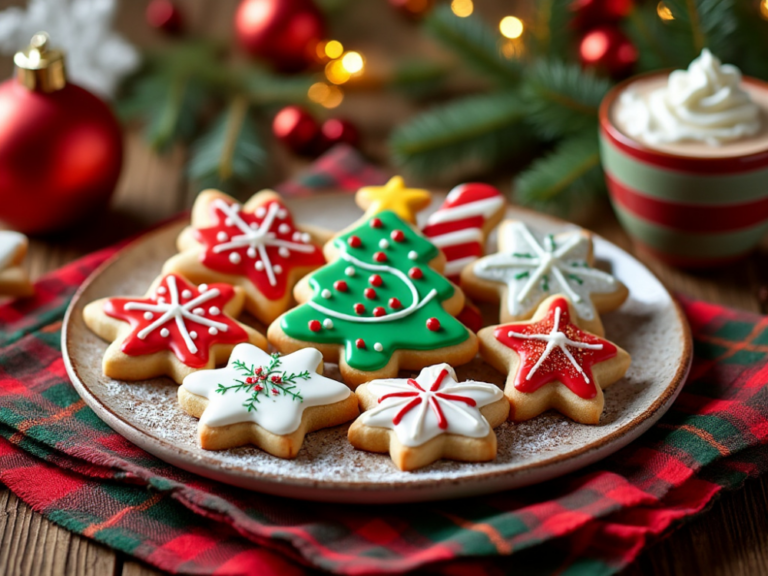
359, 308
397, 235
275, 391
340, 285
380, 257
262, 377
369, 293
395, 303
360, 343
379, 311
276, 378
375, 280
258, 387
258, 370
250, 380
415, 273
315, 325
375, 223
433, 324
354, 241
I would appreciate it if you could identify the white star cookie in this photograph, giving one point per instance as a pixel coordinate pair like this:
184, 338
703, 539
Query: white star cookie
420, 420
267, 400
14, 280
530, 266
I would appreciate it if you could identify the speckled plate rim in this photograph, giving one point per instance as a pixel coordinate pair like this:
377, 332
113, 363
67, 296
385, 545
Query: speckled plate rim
383, 492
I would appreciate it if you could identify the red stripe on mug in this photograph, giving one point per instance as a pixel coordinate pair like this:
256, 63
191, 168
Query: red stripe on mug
689, 217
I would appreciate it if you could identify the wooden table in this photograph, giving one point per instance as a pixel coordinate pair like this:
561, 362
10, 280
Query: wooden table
730, 539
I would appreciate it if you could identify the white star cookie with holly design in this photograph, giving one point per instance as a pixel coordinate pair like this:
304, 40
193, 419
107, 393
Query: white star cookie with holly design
530, 266
420, 420
14, 280
267, 400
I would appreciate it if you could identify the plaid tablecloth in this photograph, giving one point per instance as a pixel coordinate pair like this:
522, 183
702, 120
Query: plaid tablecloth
57, 456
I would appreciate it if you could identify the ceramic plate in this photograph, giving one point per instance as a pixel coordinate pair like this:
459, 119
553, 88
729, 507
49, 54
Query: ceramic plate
650, 326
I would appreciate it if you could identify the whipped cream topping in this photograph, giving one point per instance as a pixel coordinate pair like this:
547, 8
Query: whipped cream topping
703, 104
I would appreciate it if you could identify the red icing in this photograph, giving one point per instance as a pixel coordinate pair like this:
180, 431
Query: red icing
340, 285
283, 230
397, 235
415, 273
433, 324
154, 341
354, 241
379, 311
375, 223
360, 343
375, 280
557, 366
395, 303
369, 293
359, 308
380, 257
315, 325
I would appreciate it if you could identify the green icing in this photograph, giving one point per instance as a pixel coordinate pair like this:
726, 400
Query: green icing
407, 332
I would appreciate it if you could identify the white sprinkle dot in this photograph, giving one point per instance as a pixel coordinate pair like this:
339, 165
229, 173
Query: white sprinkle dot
198, 311
203, 288
186, 294
284, 252
378, 347
234, 257
162, 290
325, 293
282, 213
164, 332
277, 269
306, 238
253, 226
259, 265
296, 236
148, 315
161, 300
213, 331
214, 311
193, 335
251, 252
413, 255
350, 271
284, 229
222, 236
228, 222
383, 244
261, 212
328, 323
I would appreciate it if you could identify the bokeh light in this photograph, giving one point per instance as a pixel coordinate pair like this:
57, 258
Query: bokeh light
664, 12
462, 8
333, 49
336, 73
352, 62
326, 95
511, 27
764, 9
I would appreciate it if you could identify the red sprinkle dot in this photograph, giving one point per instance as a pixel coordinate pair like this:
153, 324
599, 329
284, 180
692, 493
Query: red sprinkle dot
276, 378
275, 391
315, 325
354, 241
340, 285
369, 293
250, 380
258, 370
397, 235
433, 324
375, 223
379, 311
375, 280
415, 273
359, 308
258, 387
395, 303
380, 257
360, 343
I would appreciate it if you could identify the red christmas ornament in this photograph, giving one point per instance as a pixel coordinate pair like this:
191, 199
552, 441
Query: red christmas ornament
297, 128
61, 148
590, 13
283, 32
164, 15
338, 131
608, 49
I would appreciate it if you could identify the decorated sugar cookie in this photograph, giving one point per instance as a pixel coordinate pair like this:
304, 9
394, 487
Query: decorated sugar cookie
433, 416
176, 329
394, 196
553, 362
255, 246
379, 306
267, 400
461, 225
530, 266
14, 280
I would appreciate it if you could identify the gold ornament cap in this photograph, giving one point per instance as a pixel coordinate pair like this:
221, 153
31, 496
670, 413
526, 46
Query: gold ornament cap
40, 68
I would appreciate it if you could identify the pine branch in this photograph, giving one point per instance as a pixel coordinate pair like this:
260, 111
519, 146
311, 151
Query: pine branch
752, 52
419, 78
471, 132
556, 181
475, 43
709, 24
551, 33
265, 88
562, 99
659, 45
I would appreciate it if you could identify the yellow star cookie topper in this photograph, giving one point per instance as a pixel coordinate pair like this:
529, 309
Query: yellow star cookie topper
394, 196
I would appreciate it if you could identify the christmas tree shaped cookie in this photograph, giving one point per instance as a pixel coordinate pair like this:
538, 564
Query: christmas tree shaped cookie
176, 329
14, 280
270, 401
420, 420
379, 305
530, 266
553, 362
256, 246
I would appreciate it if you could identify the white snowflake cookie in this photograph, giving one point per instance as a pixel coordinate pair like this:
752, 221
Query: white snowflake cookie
530, 266
433, 416
267, 400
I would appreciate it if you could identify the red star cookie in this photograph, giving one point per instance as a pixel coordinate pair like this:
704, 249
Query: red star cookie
176, 329
255, 246
553, 363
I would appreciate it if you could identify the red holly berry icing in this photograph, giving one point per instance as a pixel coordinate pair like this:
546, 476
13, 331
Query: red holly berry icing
375, 280
180, 317
263, 245
379, 311
554, 349
380, 257
433, 324
375, 223
359, 308
369, 293
315, 325
354, 241
340, 285
397, 235
415, 273
394, 303
360, 343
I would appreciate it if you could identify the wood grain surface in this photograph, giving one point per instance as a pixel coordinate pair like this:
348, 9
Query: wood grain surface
731, 539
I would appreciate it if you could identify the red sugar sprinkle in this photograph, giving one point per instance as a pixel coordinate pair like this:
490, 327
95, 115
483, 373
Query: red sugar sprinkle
375, 223
380, 257
395, 303
360, 343
340, 285
276, 378
315, 325
354, 241
375, 280
415, 273
359, 308
433, 324
250, 380
379, 311
369, 293
397, 235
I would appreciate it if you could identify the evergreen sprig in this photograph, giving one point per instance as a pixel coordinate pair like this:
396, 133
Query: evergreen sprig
708, 24
658, 44
265, 381
551, 34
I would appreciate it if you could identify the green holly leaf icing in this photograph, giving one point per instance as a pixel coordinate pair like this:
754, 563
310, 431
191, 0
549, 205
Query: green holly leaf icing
387, 248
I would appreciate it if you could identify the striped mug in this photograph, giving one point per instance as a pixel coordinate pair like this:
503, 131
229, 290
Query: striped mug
687, 210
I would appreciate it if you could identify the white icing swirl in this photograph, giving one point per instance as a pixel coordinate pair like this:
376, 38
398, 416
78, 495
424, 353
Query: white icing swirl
703, 104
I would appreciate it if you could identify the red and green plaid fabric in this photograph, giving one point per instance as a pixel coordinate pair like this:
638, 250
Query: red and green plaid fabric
57, 456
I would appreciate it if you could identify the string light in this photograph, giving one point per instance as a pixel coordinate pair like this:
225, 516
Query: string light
326, 95
764, 9
665, 13
352, 62
511, 27
462, 8
333, 49
336, 72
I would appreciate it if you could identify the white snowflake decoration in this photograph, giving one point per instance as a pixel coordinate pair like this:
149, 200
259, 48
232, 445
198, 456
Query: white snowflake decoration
96, 57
